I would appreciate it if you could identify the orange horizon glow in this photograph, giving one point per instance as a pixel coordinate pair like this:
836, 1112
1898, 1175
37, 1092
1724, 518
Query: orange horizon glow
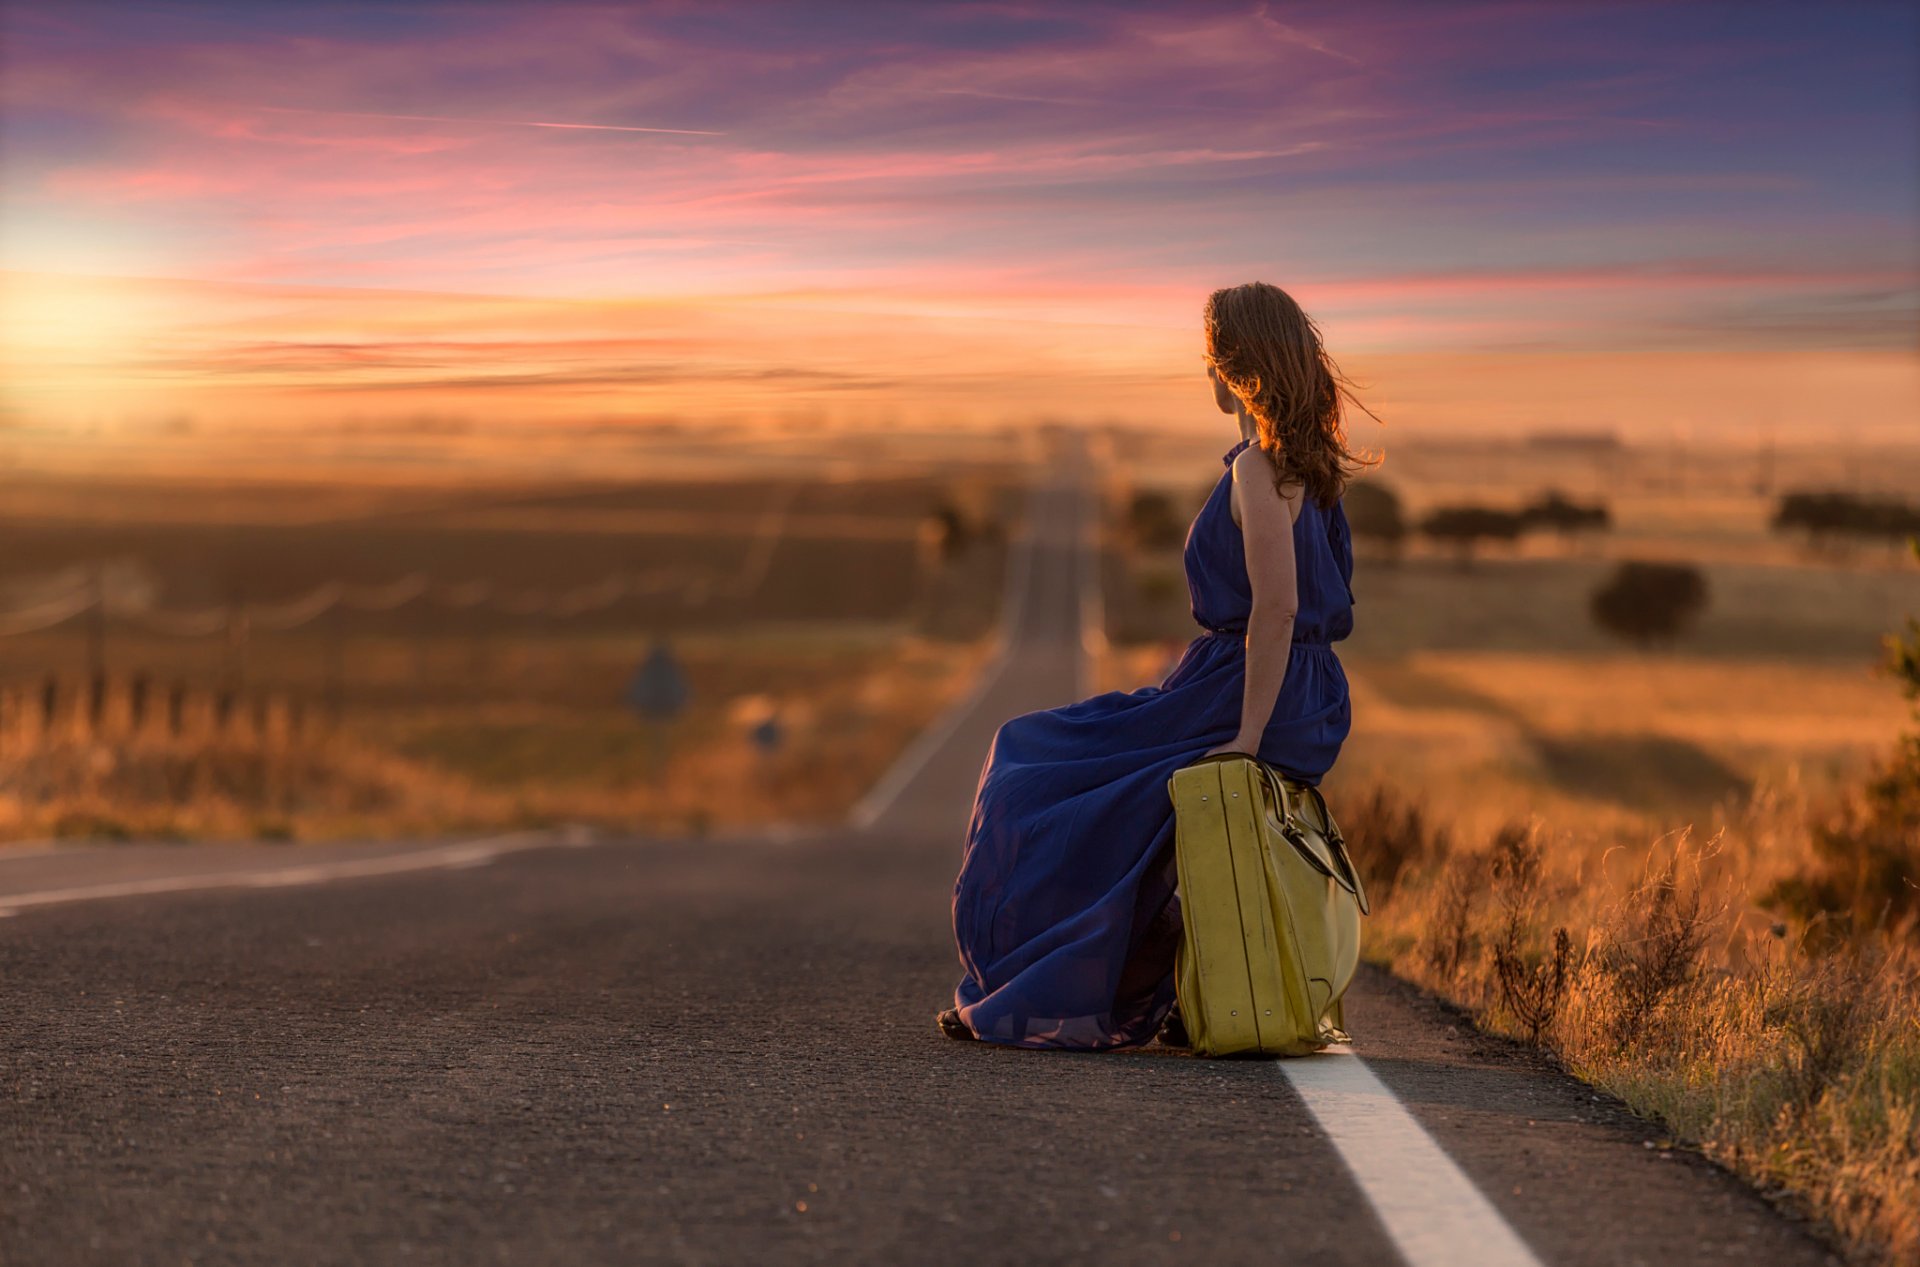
263, 356
224, 217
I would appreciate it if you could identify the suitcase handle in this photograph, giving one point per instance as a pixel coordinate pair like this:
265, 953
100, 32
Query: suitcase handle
1345, 875
1343, 872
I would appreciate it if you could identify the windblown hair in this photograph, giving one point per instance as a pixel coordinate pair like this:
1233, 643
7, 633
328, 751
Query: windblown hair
1269, 354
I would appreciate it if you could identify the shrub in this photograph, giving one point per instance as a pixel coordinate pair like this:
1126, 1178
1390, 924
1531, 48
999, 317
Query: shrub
1532, 988
1154, 522
1864, 871
1555, 511
1824, 516
1464, 527
1374, 513
1822, 1012
1452, 936
1650, 953
1531, 985
1865, 860
1649, 602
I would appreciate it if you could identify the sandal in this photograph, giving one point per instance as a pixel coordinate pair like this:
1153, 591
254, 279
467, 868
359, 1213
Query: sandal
952, 1026
1173, 1030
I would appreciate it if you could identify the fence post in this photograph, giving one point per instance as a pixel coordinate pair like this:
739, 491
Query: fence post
96, 709
332, 691
138, 688
97, 642
237, 635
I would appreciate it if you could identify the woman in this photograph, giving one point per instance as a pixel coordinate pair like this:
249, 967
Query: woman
1064, 910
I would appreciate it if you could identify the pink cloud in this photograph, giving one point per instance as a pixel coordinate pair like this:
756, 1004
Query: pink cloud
1079, 174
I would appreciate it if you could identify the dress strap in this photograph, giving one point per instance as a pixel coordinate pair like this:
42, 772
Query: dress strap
1235, 452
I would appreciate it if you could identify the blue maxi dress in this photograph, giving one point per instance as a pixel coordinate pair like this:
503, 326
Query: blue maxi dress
1064, 911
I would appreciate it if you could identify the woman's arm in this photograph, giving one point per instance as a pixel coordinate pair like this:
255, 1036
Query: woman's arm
1266, 526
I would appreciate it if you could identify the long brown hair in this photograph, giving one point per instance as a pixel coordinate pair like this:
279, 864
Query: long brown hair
1268, 352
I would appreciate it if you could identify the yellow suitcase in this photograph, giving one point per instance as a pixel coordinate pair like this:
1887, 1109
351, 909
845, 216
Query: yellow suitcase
1271, 906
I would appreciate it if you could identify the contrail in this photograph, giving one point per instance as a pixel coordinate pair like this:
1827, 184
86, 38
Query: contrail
516, 123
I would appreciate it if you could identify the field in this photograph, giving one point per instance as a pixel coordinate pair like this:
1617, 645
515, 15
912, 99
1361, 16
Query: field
1492, 678
315, 658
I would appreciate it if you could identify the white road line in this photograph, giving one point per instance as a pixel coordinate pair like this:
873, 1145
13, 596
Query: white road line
1013, 604
466, 853
1433, 1213
30, 849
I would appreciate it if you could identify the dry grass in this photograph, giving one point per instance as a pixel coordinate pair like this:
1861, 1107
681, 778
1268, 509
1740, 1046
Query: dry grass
816, 595
1624, 744
845, 712
1656, 973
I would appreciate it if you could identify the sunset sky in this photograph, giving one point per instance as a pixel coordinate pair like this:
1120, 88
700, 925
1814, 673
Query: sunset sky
1689, 217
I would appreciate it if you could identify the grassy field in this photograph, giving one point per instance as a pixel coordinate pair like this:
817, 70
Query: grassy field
302, 659
1492, 676
712, 553
845, 704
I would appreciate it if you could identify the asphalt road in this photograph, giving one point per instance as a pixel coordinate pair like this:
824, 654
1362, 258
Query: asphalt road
625, 1051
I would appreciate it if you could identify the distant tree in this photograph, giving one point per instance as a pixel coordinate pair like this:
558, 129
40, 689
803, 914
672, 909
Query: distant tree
1819, 515
1555, 511
1649, 602
1828, 516
1465, 527
1154, 522
1374, 513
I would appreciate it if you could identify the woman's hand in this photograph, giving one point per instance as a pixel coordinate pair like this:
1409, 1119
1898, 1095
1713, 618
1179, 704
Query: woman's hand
1239, 744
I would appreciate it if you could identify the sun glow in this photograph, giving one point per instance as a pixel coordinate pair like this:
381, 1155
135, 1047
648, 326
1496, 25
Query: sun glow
568, 214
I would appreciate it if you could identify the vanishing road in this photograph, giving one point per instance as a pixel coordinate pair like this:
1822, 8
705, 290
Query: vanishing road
563, 1050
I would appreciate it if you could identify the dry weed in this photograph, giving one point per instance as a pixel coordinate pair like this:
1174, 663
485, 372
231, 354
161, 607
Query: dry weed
1649, 951
1390, 835
1788, 1053
1453, 936
1532, 989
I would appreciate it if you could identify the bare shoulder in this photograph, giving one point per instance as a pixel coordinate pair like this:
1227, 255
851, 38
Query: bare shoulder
1252, 458
1253, 473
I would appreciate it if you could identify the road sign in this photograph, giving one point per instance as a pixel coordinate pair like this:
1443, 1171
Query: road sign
659, 689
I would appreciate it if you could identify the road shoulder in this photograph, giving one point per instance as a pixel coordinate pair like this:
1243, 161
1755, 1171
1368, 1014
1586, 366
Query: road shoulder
1579, 1175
